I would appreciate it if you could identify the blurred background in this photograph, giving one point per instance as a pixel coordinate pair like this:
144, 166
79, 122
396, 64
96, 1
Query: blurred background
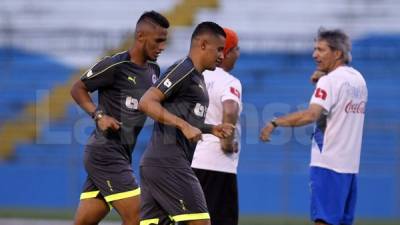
45, 45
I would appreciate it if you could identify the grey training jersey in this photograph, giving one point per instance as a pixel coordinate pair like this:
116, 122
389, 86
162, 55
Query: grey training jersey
186, 97
120, 84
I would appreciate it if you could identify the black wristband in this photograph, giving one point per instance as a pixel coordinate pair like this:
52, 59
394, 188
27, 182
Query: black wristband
273, 122
207, 128
91, 114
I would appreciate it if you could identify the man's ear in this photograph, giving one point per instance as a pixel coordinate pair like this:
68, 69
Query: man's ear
338, 54
140, 36
203, 44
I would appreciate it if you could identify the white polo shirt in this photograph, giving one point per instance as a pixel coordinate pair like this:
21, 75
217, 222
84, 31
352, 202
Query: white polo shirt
336, 143
221, 86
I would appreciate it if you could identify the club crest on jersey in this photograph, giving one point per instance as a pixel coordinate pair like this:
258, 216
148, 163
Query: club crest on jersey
154, 78
167, 83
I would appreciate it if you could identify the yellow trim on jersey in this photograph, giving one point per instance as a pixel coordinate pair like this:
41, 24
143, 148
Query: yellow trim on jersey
96, 74
193, 216
90, 194
149, 221
122, 195
166, 76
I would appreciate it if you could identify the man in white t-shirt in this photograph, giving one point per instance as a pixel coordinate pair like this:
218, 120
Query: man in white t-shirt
215, 160
337, 106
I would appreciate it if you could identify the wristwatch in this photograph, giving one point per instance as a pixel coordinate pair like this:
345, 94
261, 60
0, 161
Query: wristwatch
273, 122
97, 115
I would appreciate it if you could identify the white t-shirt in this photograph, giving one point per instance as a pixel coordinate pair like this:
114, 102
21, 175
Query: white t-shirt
336, 142
221, 86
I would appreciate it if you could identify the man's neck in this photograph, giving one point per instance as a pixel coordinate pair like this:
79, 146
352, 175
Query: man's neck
137, 56
224, 67
337, 65
196, 62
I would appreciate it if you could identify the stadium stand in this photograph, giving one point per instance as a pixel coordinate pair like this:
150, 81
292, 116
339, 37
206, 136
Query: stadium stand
23, 77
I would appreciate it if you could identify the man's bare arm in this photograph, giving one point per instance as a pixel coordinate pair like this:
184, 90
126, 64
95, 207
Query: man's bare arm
230, 115
150, 103
80, 94
301, 118
295, 119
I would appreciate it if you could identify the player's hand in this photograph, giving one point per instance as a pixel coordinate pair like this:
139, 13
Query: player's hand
107, 122
265, 134
316, 75
223, 130
191, 133
228, 146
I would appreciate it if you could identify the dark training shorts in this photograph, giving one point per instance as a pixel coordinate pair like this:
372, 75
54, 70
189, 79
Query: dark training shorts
221, 192
170, 194
110, 175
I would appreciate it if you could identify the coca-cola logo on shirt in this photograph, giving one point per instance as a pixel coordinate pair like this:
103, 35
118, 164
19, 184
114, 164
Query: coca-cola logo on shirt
358, 107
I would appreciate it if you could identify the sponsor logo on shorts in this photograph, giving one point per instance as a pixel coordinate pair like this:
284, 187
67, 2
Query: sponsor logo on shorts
182, 204
109, 185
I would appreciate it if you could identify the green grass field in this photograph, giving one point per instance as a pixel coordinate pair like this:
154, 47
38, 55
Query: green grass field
244, 219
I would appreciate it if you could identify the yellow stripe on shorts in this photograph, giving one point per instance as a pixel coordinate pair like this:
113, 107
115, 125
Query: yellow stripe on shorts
90, 194
122, 195
194, 216
149, 221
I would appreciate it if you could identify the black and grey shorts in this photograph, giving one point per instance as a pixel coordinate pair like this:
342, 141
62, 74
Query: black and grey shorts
170, 195
109, 175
